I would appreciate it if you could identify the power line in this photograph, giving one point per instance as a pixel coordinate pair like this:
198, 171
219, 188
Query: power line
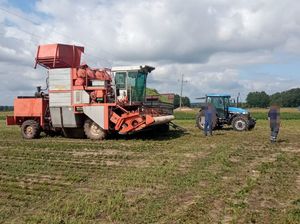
20, 16
40, 37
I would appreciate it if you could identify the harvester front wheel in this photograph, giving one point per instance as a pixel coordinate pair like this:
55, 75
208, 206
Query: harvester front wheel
94, 131
30, 129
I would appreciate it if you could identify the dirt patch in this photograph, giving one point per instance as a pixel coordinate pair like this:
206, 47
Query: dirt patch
183, 109
298, 182
106, 152
234, 159
140, 163
291, 149
217, 210
133, 194
189, 158
32, 179
112, 163
185, 200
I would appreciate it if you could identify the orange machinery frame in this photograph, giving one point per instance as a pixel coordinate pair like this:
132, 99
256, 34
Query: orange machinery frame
25, 108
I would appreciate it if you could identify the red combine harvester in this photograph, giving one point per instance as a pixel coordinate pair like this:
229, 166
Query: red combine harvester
86, 102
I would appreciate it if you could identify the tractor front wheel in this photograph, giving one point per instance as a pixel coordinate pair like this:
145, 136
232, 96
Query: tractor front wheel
30, 129
94, 131
240, 123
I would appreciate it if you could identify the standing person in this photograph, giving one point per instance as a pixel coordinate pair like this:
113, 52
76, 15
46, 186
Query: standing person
274, 119
209, 115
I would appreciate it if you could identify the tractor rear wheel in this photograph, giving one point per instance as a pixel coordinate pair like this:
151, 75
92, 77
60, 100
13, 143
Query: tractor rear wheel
200, 120
94, 131
240, 123
30, 129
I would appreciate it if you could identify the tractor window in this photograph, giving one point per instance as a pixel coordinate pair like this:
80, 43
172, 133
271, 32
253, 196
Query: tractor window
227, 102
217, 102
137, 86
120, 80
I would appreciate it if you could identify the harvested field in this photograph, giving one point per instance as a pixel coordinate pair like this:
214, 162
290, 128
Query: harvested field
152, 178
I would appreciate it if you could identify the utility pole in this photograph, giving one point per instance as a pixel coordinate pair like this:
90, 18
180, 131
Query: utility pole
238, 99
181, 89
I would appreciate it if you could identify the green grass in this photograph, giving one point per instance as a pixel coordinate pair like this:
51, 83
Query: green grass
174, 177
259, 114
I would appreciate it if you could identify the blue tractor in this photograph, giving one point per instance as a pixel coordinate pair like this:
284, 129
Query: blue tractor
239, 118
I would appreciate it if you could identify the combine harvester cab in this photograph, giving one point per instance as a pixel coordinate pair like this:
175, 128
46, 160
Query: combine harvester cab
87, 102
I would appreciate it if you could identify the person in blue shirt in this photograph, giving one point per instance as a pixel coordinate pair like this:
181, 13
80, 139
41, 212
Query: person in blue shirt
209, 114
274, 119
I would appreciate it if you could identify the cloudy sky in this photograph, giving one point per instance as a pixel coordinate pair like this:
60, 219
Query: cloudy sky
226, 46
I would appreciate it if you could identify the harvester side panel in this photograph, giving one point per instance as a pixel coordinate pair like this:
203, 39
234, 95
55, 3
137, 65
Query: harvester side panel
28, 108
65, 117
80, 97
60, 99
60, 79
99, 114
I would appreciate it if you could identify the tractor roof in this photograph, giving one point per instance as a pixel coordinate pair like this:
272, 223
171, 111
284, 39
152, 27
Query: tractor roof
218, 95
143, 68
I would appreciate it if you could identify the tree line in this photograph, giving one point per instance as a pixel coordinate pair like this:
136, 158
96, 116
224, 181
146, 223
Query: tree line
6, 108
289, 98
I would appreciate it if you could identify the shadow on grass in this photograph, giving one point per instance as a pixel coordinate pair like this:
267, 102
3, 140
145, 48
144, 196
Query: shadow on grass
282, 141
149, 135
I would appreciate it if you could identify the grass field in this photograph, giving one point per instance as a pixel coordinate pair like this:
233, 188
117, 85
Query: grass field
257, 113
155, 178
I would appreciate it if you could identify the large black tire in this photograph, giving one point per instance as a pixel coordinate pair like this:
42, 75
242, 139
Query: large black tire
73, 132
251, 124
94, 131
200, 120
30, 129
240, 123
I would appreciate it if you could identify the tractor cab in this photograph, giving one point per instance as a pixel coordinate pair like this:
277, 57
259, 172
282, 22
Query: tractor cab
130, 83
239, 118
221, 103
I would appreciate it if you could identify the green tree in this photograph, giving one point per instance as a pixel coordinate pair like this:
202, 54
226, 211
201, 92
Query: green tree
185, 101
151, 92
289, 98
258, 99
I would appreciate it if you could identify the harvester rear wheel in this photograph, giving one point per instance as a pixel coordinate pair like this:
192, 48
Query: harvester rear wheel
30, 129
240, 123
94, 131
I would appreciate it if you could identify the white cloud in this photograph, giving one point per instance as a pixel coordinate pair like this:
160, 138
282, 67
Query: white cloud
210, 41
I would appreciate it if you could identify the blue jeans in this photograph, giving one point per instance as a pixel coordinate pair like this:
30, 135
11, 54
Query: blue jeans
208, 126
274, 130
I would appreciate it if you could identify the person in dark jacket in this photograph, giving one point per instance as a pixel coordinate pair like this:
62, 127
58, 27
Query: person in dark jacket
274, 119
209, 114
